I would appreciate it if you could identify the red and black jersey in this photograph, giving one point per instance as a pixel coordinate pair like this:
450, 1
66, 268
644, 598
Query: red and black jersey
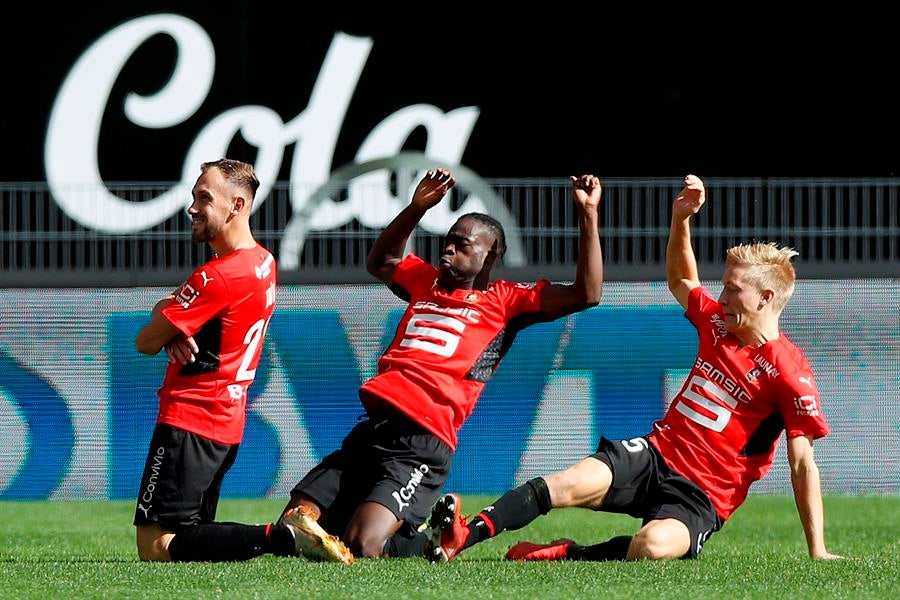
722, 429
448, 344
225, 305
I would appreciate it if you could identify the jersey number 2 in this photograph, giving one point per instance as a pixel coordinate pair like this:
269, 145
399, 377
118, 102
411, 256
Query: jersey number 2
252, 340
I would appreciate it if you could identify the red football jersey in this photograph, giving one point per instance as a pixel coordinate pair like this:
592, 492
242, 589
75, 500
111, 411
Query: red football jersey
722, 429
448, 344
226, 305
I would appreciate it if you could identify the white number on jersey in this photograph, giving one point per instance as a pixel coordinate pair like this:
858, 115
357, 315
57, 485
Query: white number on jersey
252, 339
450, 340
721, 414
637, 444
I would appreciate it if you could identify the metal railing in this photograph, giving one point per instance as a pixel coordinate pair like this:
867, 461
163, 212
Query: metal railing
841, 227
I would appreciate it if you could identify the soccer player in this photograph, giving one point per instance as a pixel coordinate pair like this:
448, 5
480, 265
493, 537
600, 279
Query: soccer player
212, 328
748, 383
380, 485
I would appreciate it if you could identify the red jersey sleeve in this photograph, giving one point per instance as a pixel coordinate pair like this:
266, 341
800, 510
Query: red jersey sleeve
413, 274
521, 298
200, 298
701, 304
800, 406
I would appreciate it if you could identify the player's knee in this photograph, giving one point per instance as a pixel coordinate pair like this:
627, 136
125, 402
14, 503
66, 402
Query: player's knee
647, 545
658, 543
152, 547
152, 551
365, 544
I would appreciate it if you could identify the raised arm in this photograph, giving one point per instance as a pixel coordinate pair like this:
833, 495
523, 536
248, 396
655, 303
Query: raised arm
387, 251
681, 265
808, 495
558, 300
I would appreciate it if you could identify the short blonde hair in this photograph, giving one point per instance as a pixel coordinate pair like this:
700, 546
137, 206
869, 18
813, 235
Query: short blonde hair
768, 268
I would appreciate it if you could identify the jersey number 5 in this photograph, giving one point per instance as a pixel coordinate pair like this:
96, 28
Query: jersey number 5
720, 415
419, 326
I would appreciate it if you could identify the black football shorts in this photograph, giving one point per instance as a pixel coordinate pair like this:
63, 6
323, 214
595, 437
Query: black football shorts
182, 479
644, 486
388, 459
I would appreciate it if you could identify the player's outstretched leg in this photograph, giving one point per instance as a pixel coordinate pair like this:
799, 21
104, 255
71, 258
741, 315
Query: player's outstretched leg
449, 530
451, 533
613, 549
311, 541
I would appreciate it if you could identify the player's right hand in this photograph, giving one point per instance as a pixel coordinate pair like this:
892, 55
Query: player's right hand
436, 183
182, 350
690, 198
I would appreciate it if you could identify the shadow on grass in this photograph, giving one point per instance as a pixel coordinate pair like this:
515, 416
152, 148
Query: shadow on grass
67, 561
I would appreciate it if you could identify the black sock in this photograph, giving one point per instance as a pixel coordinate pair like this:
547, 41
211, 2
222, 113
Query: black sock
403, 546
514, 510
216, 542
614, 549
281, 540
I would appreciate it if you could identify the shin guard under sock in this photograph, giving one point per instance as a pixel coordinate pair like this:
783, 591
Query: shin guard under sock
514, 510
216, 542
404, 546
614, 549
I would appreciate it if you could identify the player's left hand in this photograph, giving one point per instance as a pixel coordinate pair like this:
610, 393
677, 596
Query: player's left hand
182, 350
587, 191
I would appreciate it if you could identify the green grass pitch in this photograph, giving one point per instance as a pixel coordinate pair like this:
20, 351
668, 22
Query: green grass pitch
74, 550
